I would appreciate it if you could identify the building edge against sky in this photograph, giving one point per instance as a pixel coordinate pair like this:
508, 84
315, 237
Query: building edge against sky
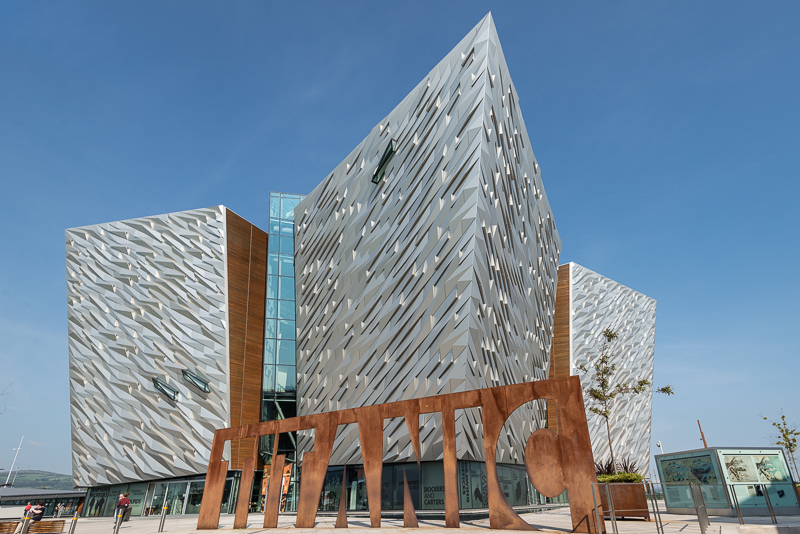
439, 278
586, 304
426, 263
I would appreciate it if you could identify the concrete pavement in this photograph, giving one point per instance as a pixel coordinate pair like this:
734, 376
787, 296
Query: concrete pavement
553, 521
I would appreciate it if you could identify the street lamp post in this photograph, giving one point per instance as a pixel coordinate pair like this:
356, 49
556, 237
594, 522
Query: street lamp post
15, 460
658, 444
15, 477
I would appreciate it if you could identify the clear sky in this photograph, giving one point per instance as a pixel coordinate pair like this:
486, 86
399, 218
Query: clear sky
668, 135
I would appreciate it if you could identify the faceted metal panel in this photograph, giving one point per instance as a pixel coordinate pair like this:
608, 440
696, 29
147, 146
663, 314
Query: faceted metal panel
147, 298
598, 303
441, 277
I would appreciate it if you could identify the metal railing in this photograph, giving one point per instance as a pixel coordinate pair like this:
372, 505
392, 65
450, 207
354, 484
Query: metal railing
700, 507
626, 499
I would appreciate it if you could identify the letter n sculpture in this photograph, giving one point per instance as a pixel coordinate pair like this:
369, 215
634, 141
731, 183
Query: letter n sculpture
554, 462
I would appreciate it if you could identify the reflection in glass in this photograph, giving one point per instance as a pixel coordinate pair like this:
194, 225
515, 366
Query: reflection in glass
287, 207
287, 245
195, 497
286, 288
268, 380
272, 309
270, 329
272, 287
157, 500
286, 309
287, 265
272, 263
287, 229
286, 352
176, 495
285, 378
226, 498
274, 207
286, 330
273, 244
269, 352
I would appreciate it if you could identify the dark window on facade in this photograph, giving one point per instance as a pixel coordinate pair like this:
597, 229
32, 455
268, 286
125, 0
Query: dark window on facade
166, 389
195, 380
379, 173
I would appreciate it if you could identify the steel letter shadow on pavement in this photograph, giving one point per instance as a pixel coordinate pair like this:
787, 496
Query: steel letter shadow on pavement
554, 462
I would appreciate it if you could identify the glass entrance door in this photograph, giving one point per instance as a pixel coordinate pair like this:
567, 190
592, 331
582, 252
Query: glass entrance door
176, 497
195, 497
157, 500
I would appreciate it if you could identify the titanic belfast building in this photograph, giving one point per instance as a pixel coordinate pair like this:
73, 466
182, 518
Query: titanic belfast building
426, 262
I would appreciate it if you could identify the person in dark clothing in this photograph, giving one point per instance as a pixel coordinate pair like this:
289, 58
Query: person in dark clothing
37, 512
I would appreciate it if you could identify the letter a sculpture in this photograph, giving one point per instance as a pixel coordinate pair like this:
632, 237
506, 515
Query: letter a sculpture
554, 462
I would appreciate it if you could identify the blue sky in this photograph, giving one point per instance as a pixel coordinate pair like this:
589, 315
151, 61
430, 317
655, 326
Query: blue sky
667, 134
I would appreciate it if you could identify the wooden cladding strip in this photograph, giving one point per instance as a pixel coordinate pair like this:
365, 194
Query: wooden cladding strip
559, 351
247, 287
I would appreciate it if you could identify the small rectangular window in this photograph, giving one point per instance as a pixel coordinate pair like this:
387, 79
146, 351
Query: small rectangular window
165, 388
197, 381
380, 171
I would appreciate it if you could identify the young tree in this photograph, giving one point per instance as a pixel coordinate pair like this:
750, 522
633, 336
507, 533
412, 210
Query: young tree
786, 437
605, 390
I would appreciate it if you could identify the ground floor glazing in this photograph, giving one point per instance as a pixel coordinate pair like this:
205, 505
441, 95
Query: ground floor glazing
184, 496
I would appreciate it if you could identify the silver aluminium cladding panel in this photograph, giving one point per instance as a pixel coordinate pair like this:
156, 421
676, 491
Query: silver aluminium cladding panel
442, 276
146, 299
598, 303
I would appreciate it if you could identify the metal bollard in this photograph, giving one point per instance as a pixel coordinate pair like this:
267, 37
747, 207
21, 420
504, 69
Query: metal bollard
73, 523
163, 518
118, 522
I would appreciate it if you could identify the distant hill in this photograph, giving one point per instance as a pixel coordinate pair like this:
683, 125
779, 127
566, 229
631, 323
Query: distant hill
37, 479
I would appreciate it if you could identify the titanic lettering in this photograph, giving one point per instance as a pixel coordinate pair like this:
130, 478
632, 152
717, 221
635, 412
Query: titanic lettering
554, 462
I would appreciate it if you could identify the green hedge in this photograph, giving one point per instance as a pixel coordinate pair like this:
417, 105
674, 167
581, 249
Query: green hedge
621, 477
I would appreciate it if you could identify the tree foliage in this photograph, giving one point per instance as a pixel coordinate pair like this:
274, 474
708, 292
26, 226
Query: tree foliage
605, 390
786, 437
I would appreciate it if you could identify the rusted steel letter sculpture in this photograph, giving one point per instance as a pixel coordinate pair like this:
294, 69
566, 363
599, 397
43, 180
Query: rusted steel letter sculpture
554, 462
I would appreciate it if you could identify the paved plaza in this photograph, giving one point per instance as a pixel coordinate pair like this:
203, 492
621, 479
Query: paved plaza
553, 521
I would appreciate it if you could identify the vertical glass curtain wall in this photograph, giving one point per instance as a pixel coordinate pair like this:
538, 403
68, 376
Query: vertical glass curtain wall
279, 389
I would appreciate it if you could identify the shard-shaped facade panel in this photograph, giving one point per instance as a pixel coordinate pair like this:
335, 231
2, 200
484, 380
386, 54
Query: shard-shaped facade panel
441, 276
597, 303
147, 301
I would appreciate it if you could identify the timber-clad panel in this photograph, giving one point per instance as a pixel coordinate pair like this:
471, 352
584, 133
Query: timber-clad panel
559, 354
247, 282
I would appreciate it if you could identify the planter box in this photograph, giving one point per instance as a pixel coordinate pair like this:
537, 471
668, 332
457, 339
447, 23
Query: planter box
629, 500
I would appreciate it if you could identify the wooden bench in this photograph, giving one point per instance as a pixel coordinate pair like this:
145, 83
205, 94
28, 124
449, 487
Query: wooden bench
45, 527
8, 527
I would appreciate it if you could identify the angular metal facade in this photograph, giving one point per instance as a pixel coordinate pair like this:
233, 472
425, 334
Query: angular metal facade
442, 276
147, 298
597, 303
